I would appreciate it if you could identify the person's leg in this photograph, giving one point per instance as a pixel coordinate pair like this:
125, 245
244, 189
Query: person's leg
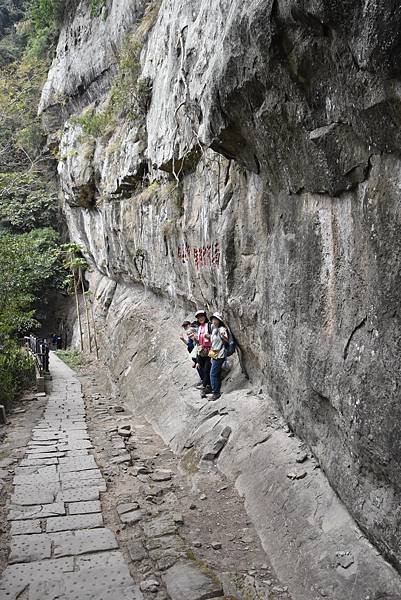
206, 377
215, 375
197, 366
206, 372
200, 366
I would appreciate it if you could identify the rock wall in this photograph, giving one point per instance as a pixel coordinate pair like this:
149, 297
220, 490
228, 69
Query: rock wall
311, 540
262, 179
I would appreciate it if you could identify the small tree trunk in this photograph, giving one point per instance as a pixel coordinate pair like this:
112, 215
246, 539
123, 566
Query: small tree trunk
94, 332
86, 310
78, 314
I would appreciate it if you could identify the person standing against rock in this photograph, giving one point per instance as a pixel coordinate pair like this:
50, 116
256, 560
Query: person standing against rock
203, 338
189, 340
217, 353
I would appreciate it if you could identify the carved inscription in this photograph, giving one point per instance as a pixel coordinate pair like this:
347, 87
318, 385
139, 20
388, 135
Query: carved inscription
203, 257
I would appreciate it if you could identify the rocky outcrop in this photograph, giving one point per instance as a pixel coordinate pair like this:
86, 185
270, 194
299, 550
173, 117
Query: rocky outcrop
262, 179
313, 543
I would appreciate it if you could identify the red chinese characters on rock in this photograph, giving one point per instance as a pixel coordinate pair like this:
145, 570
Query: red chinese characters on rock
203, 257
184, 252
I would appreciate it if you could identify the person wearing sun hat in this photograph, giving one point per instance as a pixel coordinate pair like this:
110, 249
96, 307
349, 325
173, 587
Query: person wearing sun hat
217, 353
204, 344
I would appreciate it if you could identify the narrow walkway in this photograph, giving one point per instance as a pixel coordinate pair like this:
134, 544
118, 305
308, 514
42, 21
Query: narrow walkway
59, 546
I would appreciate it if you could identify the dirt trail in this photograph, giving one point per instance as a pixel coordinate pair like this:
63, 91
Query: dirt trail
199, 511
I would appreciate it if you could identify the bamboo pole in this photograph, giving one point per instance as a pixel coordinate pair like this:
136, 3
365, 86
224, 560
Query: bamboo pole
94, 331
78, 314
86, 309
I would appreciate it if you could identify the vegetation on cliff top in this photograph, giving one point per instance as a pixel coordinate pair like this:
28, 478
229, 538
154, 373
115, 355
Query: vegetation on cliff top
130, 94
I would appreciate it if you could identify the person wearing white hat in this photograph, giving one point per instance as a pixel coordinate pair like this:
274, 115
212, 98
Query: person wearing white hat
217, 353
204, 345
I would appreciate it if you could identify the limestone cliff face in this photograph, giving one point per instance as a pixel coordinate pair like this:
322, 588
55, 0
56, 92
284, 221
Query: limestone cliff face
263, 179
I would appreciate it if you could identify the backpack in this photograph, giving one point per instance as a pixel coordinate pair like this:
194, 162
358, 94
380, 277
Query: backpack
231, 345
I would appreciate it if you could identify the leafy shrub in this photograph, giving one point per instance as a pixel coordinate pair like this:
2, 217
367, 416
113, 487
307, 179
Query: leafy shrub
29, 267
21, 136
17, 371
46, 13
12, 40
45, 16
95, 124
96, 7
26, 202
130, 96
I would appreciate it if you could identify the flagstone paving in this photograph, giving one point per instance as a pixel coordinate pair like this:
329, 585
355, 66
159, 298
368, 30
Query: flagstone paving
59, 545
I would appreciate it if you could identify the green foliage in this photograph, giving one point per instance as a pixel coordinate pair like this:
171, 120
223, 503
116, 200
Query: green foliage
26, 202
46, 13
129, 65
28, 195
130, 96
96, 7
95, 124
29, 266
72, 358
12, 40
29, 26
44, 17
21, 136
74, 264
16, 370
147, 193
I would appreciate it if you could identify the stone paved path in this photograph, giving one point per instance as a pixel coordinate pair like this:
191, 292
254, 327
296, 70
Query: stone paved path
59, 546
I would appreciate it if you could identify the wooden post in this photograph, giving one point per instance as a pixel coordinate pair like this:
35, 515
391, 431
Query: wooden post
78, 314
86, 309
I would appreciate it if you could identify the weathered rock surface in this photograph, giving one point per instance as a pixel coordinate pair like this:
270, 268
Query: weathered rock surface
184, 581
301, 522
281, 120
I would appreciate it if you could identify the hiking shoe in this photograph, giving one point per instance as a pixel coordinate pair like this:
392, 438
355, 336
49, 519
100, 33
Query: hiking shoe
215, 397
199, 386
